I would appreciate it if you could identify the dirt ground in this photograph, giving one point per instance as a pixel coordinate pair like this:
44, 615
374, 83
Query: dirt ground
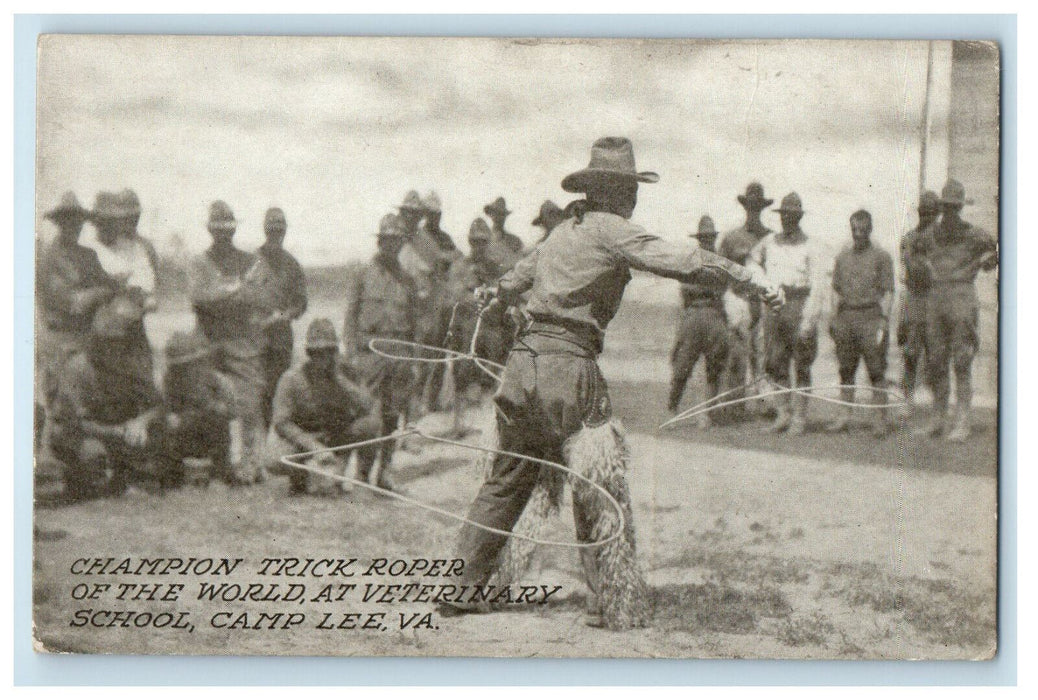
753, 545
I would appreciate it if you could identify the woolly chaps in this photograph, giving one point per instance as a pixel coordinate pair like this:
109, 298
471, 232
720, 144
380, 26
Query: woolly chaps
616, 582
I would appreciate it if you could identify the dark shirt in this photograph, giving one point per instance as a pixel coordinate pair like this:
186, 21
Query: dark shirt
306, 404
578, 275
957, 250
66, 270
380, 302
914, 250
707, 287
198, 391
861, 278
280, 282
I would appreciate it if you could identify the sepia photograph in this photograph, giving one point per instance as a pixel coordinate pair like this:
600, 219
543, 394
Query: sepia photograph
508, 347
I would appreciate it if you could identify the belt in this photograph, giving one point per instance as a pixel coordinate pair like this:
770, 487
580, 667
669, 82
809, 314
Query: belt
582, 336
792, 292
843, 306
705, 303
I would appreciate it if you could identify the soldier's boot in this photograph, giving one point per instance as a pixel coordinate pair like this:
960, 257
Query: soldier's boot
960, 431
843, 414
881, 419
782, 416
936, 425
798, 423
703, 420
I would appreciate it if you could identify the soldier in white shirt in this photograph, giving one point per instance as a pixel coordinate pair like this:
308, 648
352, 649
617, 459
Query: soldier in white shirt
791, 333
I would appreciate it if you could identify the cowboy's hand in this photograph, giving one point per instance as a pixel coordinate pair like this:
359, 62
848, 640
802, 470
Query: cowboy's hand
485, 295
769, 292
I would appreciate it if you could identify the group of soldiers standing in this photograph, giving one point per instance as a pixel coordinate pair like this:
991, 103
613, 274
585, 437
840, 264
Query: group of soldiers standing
934, 311
230, 402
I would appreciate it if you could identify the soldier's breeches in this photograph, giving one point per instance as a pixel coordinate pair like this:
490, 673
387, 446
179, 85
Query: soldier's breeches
703, 332
276, 359
952, 339
245, 370
860, 334
784, 344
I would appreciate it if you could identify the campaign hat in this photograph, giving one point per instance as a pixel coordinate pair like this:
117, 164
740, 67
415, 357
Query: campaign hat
954, 193
68, 208
479, 230
754, 197
549, 215
221, 218
706, 228
412, 201
320, 335
791, 202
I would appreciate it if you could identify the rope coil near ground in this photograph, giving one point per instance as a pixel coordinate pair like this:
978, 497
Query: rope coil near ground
295, 461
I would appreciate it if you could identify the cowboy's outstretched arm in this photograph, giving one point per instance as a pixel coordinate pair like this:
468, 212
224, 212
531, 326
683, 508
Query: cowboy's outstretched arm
644, 251
518, 280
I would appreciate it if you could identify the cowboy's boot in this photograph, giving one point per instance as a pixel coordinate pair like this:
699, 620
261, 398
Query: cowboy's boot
677, 388
782, 417
881, 421
843, 415
798, 424
703, 420
960, 431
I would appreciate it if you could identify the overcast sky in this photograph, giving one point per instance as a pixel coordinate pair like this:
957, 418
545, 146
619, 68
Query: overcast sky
336, 131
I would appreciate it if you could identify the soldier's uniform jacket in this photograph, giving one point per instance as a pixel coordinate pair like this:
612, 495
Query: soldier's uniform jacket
280, 282
915, 269
64, 271
380, 302
737, 243
107, 394
583, 268
305, 405
861, 278
952, 251
224, 316
706, 288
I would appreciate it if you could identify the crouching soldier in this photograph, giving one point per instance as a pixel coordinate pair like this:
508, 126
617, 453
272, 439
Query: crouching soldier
201, 421
107, 413
703, 331
863, 282
316, 406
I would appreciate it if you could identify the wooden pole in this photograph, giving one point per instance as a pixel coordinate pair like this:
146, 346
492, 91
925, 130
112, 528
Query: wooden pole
926, 117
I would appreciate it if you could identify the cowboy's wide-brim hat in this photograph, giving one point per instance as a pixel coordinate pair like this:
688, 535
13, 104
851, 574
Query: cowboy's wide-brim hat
549, 214
612, 160
754, 197
498, 206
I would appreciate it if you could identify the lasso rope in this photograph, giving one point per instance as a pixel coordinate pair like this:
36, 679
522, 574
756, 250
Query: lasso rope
294, 461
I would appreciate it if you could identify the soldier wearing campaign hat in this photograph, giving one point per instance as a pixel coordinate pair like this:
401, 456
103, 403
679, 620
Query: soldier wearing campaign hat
382, 302
913, 294
317, 405
956, 251
791, 260
548, 217
703, 329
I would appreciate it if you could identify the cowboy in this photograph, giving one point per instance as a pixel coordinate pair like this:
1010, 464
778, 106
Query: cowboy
282, 289
107, 423
703, 331
955, 251
549, 216
200, 410
791, 333
863, 284
381, 302
226, 300
552, 392
915, 283
317, 406
747, 337
71, 286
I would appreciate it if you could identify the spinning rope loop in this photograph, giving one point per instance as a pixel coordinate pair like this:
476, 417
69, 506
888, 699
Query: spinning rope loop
294, 461
710, 404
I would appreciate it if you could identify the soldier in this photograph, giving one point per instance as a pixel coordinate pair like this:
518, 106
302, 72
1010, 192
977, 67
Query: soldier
748, 355
553, 392
703, 331
71, 286
915, 283
955, 251
282, 289
226, 302
440, 294
200, 410
791, 333
498, 211
133, 203
107, 423
549, 216
863, 282
317, 406
381, 303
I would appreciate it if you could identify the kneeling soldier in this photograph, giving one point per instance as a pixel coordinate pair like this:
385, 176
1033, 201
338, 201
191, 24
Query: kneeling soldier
703, 330
863, 281
107, 422
317, 406
201, 421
